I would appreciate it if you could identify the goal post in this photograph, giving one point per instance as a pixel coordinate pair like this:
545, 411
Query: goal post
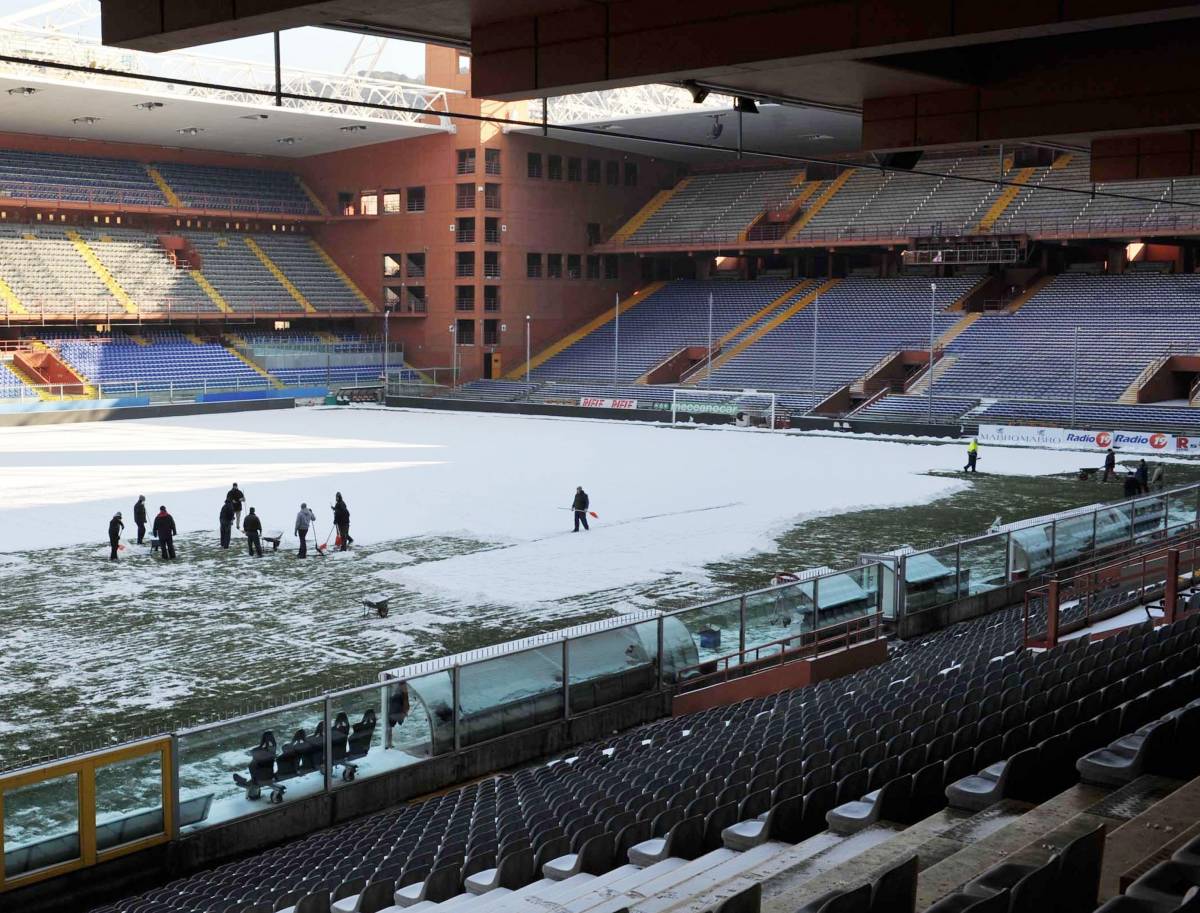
745, 407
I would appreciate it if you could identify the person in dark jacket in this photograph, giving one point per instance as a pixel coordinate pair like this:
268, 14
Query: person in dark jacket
580, 506
253, 531
1110, 465
1143, 477
164, 532
227, 517
139, 517
114, 534
236, 495
341, 519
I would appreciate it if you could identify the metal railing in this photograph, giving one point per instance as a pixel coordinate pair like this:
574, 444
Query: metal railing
109, 311
862, 233
1103, 588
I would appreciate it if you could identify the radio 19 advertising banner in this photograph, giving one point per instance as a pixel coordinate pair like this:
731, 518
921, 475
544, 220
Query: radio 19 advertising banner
1096, 441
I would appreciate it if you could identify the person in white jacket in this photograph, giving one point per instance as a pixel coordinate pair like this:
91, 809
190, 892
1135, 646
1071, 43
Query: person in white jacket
304, 520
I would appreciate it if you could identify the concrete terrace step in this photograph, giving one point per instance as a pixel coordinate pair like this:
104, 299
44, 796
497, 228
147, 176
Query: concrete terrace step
926, 839
1019, 825
1148, 831
703, 880
804, 861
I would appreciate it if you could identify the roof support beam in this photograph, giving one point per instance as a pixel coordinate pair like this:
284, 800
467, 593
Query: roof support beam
1085, 85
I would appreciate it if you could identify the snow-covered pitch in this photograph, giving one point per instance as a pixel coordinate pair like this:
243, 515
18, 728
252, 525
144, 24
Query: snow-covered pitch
461, 517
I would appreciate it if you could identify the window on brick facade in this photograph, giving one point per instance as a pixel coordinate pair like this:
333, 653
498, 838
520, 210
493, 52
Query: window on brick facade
465, 335
631, 174
491, 297
593, 266
611, 268
391, 201
553, 266
574, 169
464, 229
491, 196
466, 161
491, 230
416, 199
491, 161
491, 264
533, 165
464, 196
533, 266
573, 267
414, 266
593, 171
554, 169
464, 264
464, 297
612, 173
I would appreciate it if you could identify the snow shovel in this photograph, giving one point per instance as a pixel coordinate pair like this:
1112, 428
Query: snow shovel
319, 549
590, 513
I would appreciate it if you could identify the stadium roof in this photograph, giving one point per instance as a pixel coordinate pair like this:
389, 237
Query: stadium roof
936, 73
84, 89
59, 108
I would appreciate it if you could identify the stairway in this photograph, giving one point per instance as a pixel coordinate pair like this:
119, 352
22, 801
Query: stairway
1010, 193
518, 373
940, 367
341, 274
826, 195
780, 317
102, 271
12, 304
653, 205
275, 271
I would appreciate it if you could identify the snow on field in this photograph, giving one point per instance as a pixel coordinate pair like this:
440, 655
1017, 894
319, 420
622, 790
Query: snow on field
669, 499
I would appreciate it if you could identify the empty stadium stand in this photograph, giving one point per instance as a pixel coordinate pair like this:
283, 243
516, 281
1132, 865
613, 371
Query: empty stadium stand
1124, 322
76, 178
58, 271
945, 195
660, 325
716, 207
856, 322
236, 189
108, 181
123, 365
789, 796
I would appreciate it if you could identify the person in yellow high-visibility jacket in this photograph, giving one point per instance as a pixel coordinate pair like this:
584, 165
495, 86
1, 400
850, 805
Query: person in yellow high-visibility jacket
972, 456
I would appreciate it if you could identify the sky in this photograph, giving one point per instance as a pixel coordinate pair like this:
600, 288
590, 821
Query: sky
314, 49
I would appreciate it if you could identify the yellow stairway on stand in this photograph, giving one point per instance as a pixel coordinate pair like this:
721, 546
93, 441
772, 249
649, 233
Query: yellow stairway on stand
819, 203
275, 271
157, 178
653, 205
594, 324
778, 319
313, 198
12, 304
762, 313
274, 381
341, 274
213, 295
1004, 200
109, 280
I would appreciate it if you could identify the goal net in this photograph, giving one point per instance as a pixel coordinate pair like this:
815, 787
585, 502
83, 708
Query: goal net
748, 408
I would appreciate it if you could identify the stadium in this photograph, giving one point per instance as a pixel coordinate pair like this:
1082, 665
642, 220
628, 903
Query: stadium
599, 457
